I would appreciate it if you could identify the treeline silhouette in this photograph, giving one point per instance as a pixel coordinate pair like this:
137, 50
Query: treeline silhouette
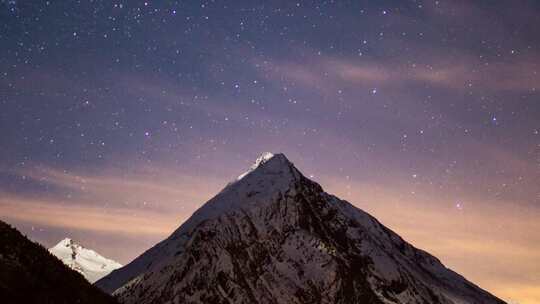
30, 274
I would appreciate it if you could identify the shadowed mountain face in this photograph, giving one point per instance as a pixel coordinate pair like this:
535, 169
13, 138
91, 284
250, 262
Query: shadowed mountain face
30, 274
274, 236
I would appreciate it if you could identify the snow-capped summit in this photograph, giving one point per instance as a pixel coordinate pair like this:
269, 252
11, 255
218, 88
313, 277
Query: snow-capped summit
88, 262
260, 160
275, 236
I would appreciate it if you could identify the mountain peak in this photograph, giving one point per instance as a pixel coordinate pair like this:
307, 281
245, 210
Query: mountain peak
274, 236
67, 242
265, 156
269, 175
88, 262
263, 159
269, 166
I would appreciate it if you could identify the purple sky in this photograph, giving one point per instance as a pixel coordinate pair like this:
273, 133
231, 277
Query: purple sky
119, 119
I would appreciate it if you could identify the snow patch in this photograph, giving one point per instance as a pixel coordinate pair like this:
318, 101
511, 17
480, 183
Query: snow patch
85, 261
266, 156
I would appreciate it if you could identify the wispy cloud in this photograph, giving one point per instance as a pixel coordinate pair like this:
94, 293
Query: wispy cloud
149, 202
145, 186
79, 216
329, 74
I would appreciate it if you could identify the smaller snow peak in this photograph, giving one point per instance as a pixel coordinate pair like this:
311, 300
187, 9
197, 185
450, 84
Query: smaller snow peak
67, 242
88, 262
69, 245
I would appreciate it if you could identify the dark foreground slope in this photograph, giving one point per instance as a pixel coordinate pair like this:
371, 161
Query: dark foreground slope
30, 274
274, 236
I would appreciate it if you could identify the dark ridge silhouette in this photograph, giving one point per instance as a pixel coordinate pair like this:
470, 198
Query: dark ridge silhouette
30, 274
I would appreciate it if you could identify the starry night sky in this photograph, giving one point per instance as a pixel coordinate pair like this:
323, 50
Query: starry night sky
118, 119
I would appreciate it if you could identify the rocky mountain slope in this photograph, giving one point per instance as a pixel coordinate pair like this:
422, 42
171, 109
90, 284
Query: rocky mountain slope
274, 236
83, 260
30, 274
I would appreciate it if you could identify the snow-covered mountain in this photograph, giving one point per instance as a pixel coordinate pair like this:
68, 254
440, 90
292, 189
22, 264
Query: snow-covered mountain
88, 262
274, 236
